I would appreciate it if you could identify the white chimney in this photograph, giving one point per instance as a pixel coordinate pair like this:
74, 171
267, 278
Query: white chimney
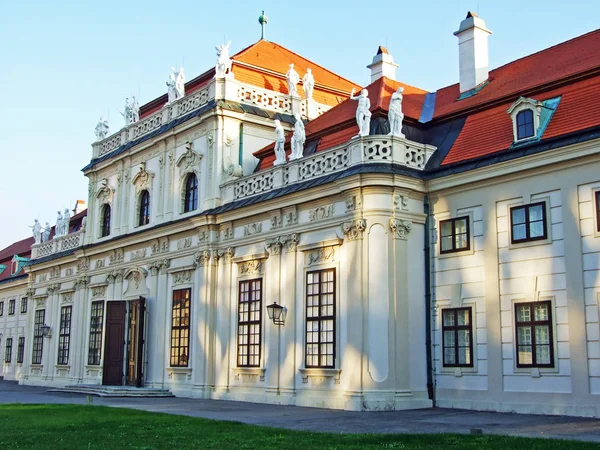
383, 65
472, 52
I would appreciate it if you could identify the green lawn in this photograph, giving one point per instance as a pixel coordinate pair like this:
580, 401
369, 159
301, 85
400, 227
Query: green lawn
99, 427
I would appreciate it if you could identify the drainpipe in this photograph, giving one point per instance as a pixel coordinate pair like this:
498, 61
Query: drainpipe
241, 149
428, 349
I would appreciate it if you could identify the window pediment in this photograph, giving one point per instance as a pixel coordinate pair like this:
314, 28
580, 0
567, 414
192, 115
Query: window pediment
189, 161
142, 180
106, 192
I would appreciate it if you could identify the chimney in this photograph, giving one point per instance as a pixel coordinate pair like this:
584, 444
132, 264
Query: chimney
383, 65
79, 206
472, 52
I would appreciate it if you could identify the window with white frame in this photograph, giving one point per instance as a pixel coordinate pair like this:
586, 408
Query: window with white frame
525, 115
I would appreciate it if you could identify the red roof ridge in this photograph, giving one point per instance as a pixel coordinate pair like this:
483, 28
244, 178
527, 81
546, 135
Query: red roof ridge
279, 46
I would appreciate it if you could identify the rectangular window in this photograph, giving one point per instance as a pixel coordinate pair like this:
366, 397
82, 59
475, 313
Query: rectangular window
455, 235
64, 337
320, 318
21, 349
457, 337
180, 328
96, 323
11, 307
23, 305
8, 350
528, 223
534, 334
249, 323
38, 337
1, 308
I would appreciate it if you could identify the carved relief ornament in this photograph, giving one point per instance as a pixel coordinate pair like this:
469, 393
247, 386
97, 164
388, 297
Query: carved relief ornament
142, 180
105, 193
401, 228
354, 229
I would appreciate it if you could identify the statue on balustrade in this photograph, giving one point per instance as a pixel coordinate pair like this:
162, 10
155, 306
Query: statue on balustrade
395, 114
298, 139
292, 80
101, 129
223, 66
279, 143
128, 112
66, 221
135, 110
46, 233
180, 83
363, 113
59, 224
171, 90
36, 229
308, 83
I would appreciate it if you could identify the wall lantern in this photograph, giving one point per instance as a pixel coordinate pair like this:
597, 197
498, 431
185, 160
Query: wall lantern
45, 331
277, 313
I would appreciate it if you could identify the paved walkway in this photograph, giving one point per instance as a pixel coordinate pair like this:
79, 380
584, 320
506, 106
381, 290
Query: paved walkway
434, 420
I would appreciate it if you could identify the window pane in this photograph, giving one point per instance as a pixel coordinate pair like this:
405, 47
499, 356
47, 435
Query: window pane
449, 340
540, 312
461, 241
448, 317
464, 355
519, 233
542, 354
536, 229
463, 316
518, 215
460, 226
446, 226
524, 335
523, 313
536, 213
447, 243
463, 338
449, 357
525, 355
542, 335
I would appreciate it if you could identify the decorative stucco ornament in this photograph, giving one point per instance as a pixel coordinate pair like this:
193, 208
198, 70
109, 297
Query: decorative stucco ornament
395, 114
279, 142
308, 83
363, 113
36, 230
223, 66
101, 129
292, 80
298, 139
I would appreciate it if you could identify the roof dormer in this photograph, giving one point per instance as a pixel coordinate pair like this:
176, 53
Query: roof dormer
525, 114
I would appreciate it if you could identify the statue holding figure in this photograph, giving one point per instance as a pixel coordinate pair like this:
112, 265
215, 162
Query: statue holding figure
180, 83
101, 129
135, 110
59, 224
127, 113
292, 80
395, 114
279, 143
66, 222
298, 139
171, 89
223, 66
308, 83
46, 233
36, 230
363, 113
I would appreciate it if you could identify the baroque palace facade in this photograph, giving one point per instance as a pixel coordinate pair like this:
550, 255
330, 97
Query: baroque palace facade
429, 248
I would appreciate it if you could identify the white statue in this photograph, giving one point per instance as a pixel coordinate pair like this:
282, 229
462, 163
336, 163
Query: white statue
59, 224
171, 89
279, 143
46, 233
66, 222
127, 113
180, 83
395, 115
308, 83
36, 229
83, 223
363, 113
135, 110
223, 66
298, 139
101, 129
292, 80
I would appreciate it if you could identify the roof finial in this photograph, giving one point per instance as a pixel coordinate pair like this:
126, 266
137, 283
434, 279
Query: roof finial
263, 19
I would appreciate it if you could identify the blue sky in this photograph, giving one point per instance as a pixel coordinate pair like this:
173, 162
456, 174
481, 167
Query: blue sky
66, 63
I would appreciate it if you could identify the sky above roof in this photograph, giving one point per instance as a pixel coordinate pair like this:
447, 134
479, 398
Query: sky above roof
66, 63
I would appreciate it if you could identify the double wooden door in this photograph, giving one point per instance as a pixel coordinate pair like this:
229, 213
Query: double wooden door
124, 331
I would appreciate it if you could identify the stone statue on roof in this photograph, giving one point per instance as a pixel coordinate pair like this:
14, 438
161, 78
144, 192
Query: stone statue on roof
363, 112
223, 66
66, 222
292, 80
46, 233
308, 83
279, 143
180, 83
395, 114
171, 90
135, 110
298, 139
101, 129
127, 113
59, 224
36, 229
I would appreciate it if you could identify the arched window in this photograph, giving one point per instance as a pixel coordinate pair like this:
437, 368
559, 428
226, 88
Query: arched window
144, 217
191, 193
525, 124
105, 226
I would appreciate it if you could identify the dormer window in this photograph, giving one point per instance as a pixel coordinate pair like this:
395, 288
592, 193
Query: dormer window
525, 114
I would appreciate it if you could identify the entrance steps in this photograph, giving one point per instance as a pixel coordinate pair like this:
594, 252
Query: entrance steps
113, 391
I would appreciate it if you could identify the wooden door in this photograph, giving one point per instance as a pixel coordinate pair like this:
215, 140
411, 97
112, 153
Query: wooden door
135, 348
114, 344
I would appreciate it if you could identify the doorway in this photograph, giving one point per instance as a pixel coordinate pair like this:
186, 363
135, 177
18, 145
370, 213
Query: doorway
124, 332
